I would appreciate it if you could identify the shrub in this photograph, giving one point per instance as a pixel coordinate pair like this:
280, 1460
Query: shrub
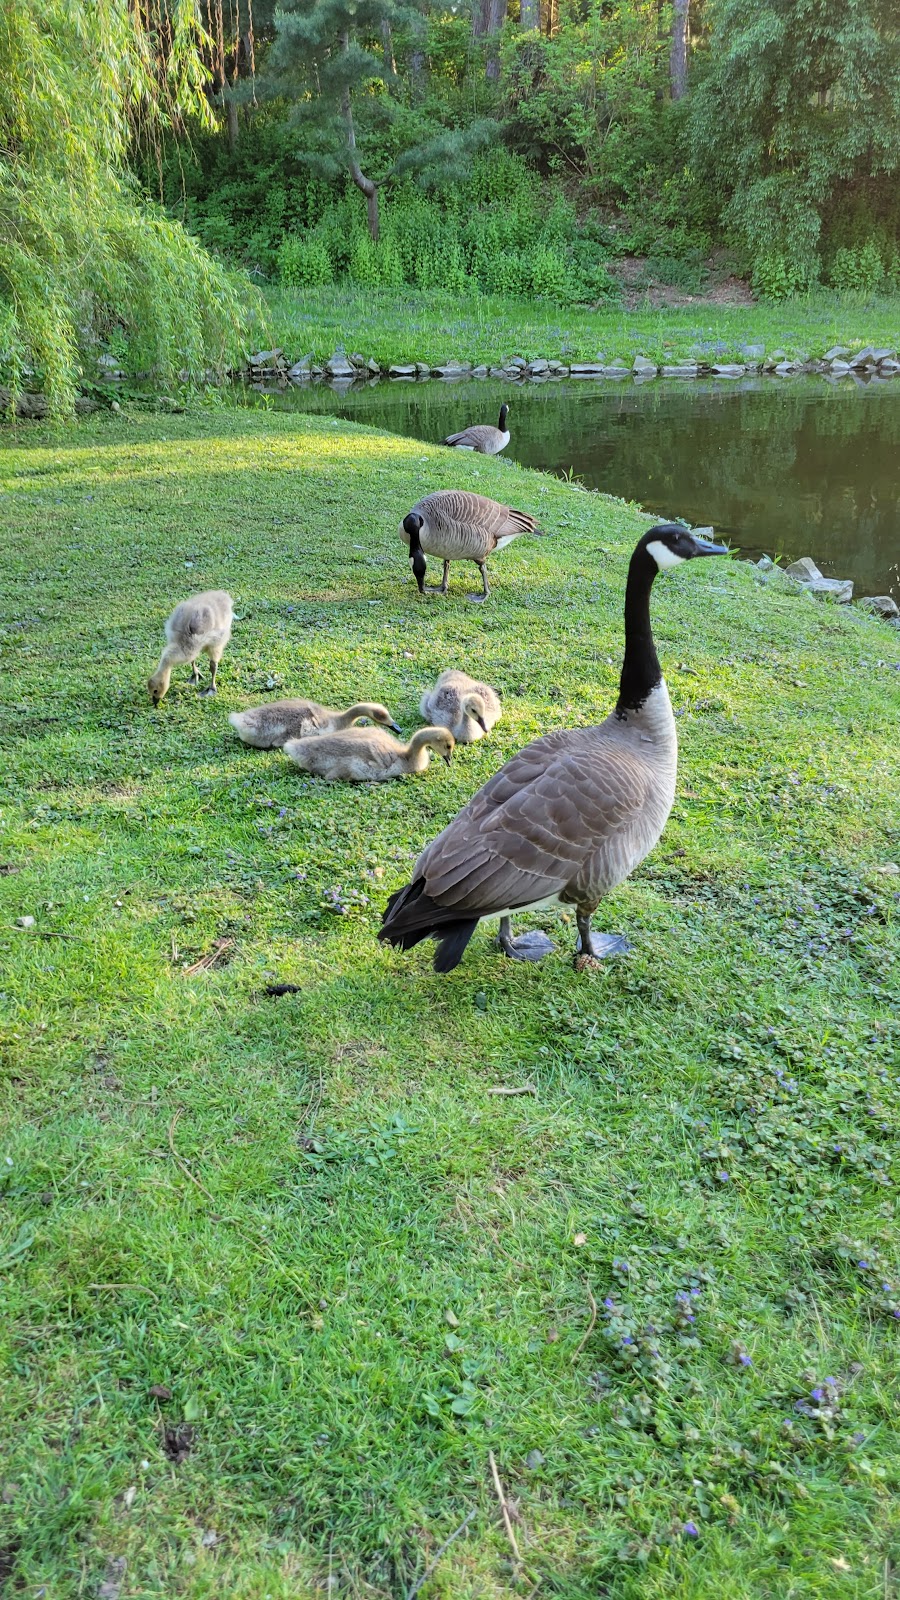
303, 262
777, 277
859, 270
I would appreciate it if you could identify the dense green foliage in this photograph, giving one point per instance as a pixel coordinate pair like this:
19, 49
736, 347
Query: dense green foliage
784, 146
797, 126
85, 265
277, 1275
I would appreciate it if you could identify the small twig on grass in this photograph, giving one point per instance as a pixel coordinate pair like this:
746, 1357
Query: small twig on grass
421, 1582
212, 956
274, 991
501, 1088
504, 1508
590, 1327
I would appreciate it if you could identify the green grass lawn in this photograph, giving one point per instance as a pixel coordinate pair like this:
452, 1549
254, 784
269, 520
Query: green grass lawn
397, 325
279, 1274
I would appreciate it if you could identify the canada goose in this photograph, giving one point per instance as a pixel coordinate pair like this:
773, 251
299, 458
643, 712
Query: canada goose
567, 818
457, 525
367, 755
457, 702
270, 726
201, 623
482, 437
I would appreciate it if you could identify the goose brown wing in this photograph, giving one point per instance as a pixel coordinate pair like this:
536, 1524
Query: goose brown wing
542, 823
481, 436
463, 523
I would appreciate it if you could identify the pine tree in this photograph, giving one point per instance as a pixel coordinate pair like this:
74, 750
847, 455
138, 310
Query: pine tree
338, 48
329, 54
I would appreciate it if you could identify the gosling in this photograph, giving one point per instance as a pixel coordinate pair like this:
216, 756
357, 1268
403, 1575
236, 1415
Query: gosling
269, 727
202, 623
368, 755
468, 708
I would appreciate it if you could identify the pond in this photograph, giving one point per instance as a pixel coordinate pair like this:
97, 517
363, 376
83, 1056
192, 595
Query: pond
790, 467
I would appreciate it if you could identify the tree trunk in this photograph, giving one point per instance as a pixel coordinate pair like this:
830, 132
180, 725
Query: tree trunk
488, 17
387, 41
530, 14
678, 50
368, 188
417, 57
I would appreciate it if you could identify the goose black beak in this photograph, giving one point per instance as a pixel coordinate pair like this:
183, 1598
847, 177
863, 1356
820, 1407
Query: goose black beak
705, 547
482, 724
446, 758
393, 727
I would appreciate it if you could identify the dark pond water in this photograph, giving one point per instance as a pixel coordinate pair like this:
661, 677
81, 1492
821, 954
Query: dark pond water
791, 467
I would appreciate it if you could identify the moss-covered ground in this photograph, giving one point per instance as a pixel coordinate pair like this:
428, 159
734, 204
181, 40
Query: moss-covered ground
278, 1275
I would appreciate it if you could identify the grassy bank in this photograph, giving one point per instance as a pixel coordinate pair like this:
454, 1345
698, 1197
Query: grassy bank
400, 325
278, 1275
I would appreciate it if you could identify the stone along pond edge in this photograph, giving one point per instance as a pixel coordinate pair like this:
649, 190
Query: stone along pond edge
871, 362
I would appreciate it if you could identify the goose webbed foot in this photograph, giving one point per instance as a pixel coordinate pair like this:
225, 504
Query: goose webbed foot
210, 689
592, 948
195, 675
528, 947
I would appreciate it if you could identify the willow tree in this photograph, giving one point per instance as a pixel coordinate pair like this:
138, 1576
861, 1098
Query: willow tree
82, 255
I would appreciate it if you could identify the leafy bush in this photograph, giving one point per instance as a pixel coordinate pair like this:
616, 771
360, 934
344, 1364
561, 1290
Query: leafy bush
303, 263
857, 271
777, 277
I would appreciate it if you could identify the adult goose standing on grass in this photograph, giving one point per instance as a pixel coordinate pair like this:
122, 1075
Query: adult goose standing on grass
567, 818
457, 525
367, 755
462, 704
268, 727
482, 437
202, 623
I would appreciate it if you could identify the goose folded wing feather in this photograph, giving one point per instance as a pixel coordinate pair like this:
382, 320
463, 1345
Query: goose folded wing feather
538, 826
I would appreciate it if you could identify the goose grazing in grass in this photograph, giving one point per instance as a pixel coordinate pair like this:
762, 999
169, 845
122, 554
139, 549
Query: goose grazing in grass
567, 818
367, 755
457, 525
270, 726
202, 623
468, 708
482, 437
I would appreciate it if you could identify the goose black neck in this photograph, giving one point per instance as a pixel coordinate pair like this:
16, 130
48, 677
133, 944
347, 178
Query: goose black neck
641, 671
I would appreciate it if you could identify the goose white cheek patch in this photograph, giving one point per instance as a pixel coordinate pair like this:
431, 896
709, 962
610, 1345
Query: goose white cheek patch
663, 556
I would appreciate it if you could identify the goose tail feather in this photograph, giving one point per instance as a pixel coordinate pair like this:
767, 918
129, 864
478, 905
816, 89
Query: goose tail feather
411, 916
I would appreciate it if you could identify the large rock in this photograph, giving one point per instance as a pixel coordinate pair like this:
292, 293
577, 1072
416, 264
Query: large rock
839, 369
835, 353
616, 370
338, 366
587, 369
785, 367
456, 370
401, 372
804, 570
644, 368
687, 369
729, 370
888, 368
373, 368
537, 367
883, 605
805, 573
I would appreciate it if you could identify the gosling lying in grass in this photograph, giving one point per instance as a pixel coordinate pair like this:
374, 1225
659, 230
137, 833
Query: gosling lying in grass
202, 623
269, 727
368, 755
468, 708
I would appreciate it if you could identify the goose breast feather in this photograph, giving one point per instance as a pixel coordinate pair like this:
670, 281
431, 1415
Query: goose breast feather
570, 815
